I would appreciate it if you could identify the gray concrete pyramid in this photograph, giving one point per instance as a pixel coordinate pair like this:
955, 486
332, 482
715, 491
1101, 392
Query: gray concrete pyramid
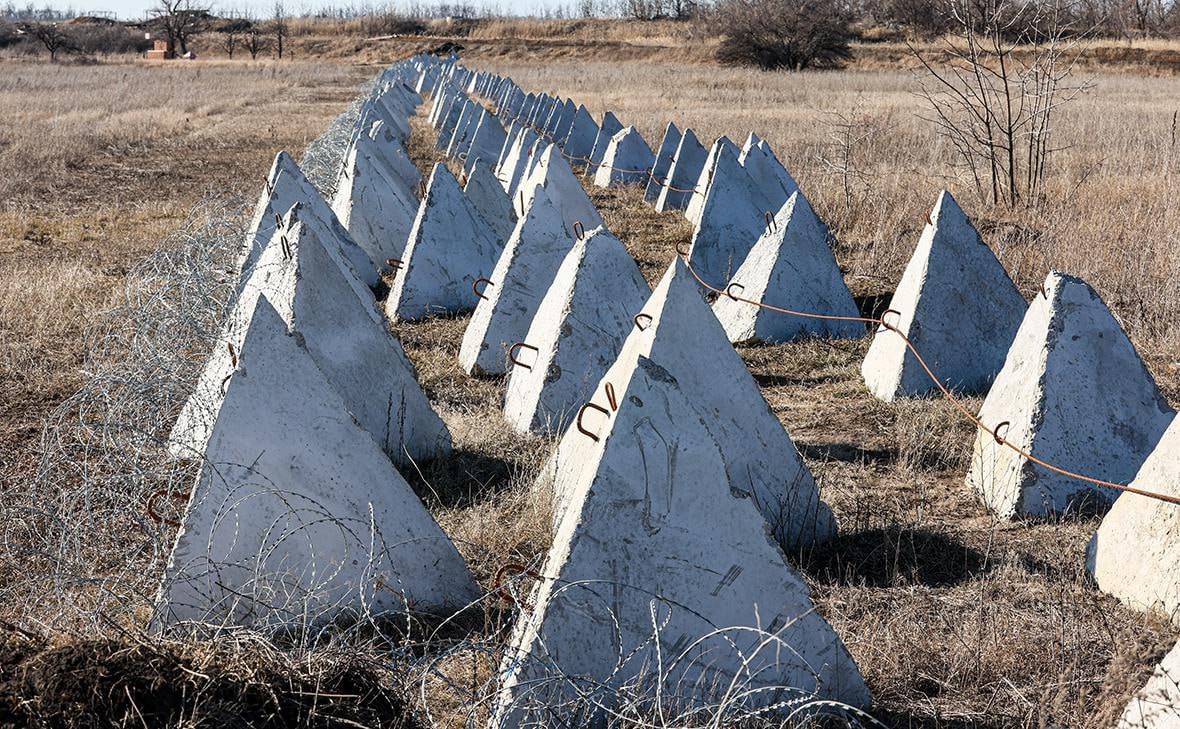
1157, 704
627, 161
731, 220
663, 163
577, 332
486, 142
488, 198
1135, 554
957, 306
341, 328
683, 174
700, 186
516, 160
662, 578
552, 173
767, 172
606, 131
791, 267
449, 247
561, 128
297, 517
580, 141
1073, 392
677, 328
523, 274
457, 117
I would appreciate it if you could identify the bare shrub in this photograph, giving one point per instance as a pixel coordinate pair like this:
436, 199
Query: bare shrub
784, 34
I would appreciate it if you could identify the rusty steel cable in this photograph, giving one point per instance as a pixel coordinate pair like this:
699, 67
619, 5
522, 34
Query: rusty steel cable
994, 432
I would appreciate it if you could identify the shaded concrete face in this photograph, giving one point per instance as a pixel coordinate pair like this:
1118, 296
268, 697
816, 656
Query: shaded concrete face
663, 163
316, 524
1135, 553
627, 161
732, 218
790, 267
1074, 392
1157, 704
577, 331
488, 198
565, 191
375, 206
957, 306
654, 535
700, 186
767, 172
606, 131
580, 142
683, 174
486, 143
516, 161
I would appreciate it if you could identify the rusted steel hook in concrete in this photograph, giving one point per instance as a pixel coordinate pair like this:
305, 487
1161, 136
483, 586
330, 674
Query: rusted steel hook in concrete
151, 505
512, 354
582, 412
475, 287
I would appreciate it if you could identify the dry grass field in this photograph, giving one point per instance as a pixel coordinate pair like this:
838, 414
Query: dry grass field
955, 619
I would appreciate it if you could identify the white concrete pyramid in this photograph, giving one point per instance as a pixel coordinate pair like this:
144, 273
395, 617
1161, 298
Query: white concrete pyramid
486, 142
1157, 704
606, 131
1074, 393
700, 186
677, 328
285, 187
554, 174
340, 325
512, 169
449, 247
514, 131
627, 161
661, 577
457, 117
380, 141
523, 274
561, 129
576, 334
663, 163
1135, 554
489, 199
297, 516
532, 159
732, 218
767, 172
791, 267
580, 141
683, 174
957, 306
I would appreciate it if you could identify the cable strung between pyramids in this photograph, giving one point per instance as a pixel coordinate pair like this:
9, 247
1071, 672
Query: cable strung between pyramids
880, 321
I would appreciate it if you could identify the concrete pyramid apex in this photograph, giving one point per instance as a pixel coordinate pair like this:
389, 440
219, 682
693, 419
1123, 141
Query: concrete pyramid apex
791, 267
768, 173
344, 333
516, 161
579, 144
663, 163
1074, 392
373, 204
700, 187
575, 335
449, 247
488, 198
523, 274
1135, 552
655, 536
486, 142
380, 142
514, 131
564, 189
683, 174
628, 160
606, 131
1157, 704
319, 522
676, 327
561, 128
958, 307
732, 219
285, 187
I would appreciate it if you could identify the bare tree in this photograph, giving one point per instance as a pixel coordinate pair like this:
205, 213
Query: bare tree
181, 21
998, 107
280, 28
850, 133
255, 42
53, 37
231, 34
790, 34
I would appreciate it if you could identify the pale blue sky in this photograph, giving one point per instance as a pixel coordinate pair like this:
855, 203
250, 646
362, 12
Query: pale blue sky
134, 9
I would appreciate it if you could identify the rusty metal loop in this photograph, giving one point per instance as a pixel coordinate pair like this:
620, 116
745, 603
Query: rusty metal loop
770, 226
686, 249
278, 220
646, 317
582, 411
522, 203
463, 180
1044, 292
498, 586
475, 286
394, 263
270, 189
286, 247
151, 505
224, 381
610, 397
512, 354
579, 230
996, 432
729, 290
887, 325
421, 190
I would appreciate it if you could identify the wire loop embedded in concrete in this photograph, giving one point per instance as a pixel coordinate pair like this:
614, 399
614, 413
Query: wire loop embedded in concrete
475, 286
512, 354
582, 411
646, 317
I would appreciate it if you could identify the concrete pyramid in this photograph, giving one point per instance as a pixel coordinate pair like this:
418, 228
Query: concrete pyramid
655, 536
553, 174
958, 307
457, 117
484, 193
627, 161
514, 131
732, 218
577, 332
344, 333
523, 274
580, 141
464, 130
285, 187
663, 163
561, 128
606, 131
1157, 704
374, 205
700, 187
676, 327
767, 172
449, 247
516, 159
791, 267
1135, 552
683, 174
297, 516
381, 142
1073, 392
532, 159
486, 142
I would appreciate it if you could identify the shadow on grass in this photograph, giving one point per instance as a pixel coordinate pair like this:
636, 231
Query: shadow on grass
461, 479
848, 453
894, 556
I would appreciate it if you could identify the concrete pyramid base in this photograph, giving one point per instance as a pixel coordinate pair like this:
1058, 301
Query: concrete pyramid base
575, 335
957, 306
1073, 392
791, 267
654, 536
